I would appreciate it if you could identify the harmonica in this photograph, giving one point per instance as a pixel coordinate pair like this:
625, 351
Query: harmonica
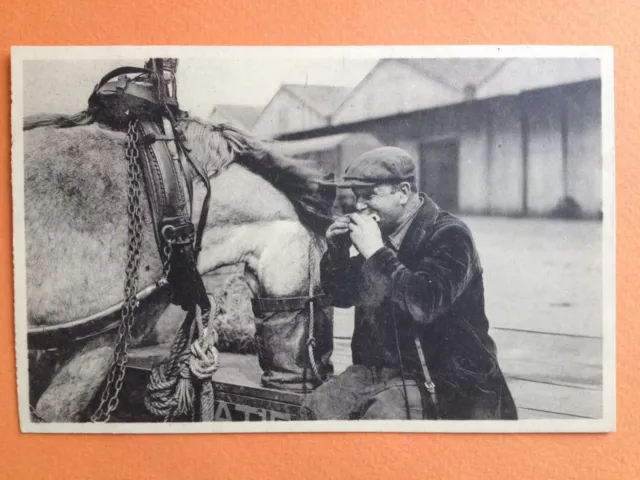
375, 216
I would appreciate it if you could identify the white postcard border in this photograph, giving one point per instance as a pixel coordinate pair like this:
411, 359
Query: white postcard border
605, 54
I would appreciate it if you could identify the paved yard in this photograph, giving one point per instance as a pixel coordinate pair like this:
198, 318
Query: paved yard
542, 275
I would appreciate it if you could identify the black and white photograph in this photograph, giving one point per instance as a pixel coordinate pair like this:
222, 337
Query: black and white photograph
306, 239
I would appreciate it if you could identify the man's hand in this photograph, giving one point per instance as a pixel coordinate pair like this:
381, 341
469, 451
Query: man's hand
365, 234
338, 231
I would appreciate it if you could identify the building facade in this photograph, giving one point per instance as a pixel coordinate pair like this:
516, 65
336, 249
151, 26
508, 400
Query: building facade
497, 136
528, 154
297, 108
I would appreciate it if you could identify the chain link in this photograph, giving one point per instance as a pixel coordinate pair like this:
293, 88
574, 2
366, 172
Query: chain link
166, 264
109, 398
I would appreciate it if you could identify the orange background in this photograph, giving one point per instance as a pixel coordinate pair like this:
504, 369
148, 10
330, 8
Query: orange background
322, 456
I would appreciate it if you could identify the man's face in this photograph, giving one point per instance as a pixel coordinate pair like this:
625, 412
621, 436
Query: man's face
387, 201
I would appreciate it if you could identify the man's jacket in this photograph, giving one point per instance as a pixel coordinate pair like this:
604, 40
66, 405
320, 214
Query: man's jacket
432, 287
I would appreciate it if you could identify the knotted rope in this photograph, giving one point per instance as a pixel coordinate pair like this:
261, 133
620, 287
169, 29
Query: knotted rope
193, 361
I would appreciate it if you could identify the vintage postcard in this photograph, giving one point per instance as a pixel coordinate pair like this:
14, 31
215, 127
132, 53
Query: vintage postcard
307, 239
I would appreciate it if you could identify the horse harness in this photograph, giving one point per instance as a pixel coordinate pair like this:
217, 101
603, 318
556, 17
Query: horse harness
157, 151
156, 143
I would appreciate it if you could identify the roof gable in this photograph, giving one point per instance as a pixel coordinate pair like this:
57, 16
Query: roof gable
322, 98
246, 115
397, 85
287, 112
457, 73
526, 74
503, 76
392, 87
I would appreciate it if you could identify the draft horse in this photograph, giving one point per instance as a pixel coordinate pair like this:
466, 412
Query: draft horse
258, 207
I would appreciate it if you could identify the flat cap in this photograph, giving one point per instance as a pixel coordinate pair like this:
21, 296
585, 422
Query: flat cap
380, 165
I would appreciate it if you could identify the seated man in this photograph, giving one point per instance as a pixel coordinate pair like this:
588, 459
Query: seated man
420, 348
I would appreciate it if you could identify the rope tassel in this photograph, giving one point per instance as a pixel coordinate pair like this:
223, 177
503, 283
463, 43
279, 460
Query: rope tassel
184, 396
174, 383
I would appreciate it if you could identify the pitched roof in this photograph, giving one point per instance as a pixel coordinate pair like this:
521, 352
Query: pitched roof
458, 73
323, 98
244, 114
526, 74
504, 76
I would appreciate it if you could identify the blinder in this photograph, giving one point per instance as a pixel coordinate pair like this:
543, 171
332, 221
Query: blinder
118, 100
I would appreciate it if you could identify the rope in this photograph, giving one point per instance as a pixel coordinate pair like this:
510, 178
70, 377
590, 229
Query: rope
163, 393
174, 384
193, 362
203, 364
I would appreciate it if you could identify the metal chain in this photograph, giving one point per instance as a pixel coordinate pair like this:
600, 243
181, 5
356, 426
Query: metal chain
109, 399
166, 264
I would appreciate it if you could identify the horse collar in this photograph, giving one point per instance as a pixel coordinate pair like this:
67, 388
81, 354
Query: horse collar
177, 238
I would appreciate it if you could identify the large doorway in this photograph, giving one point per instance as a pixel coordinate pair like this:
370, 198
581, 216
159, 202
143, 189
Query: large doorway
439, 172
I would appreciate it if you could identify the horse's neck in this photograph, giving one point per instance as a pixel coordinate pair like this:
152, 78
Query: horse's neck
252, 222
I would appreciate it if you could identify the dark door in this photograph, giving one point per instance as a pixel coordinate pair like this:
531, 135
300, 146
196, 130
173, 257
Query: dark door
439, 172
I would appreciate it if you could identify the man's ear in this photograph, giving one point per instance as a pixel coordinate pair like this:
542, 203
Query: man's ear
405, 188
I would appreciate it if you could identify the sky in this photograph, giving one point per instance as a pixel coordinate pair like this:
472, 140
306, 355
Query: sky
63, 86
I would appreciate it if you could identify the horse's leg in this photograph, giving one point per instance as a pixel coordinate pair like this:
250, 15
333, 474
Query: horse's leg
42, 368
77, 381
276, 254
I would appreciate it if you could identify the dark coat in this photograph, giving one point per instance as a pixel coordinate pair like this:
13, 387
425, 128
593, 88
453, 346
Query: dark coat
432, 286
